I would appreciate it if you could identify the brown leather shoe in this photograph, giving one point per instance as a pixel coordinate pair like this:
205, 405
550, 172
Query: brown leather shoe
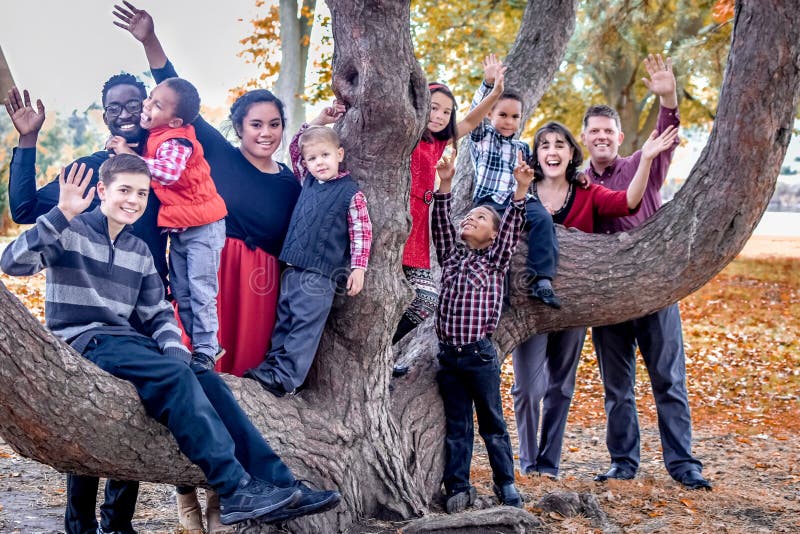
190, 516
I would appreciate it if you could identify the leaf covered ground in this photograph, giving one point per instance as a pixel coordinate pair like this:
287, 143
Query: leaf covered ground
742, 336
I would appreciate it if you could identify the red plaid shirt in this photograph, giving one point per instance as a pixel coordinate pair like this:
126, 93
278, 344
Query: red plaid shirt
471, 292
358, 222
169, 161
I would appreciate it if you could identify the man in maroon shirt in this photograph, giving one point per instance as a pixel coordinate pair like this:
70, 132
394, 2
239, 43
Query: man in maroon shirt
658, 335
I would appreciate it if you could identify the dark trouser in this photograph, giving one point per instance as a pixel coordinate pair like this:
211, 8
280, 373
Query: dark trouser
116, 512
542, 243
544, 373
661, 342
200, 411
471, 374
303, 308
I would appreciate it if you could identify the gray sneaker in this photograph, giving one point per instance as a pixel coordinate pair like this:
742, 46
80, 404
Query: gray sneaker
458, 502
254, 498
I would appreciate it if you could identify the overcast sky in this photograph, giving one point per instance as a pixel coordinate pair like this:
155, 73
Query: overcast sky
63, 51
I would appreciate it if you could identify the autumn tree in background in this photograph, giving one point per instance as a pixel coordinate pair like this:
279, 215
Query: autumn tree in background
280, 45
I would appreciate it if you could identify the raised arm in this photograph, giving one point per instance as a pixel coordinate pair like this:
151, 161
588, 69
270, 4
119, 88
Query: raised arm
494, 77
140, 24
39, 246
514, 218
662, 80
655, 145
442, 229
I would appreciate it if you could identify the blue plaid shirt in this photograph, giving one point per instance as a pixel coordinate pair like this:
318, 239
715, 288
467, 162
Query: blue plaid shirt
493, 157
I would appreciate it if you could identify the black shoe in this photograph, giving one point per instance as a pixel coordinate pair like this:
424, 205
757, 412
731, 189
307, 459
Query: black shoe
405, 326
458, 502
400, 370
508, 495
546, 296
267, 379
254, 498
310, 502
617, 473
692, 479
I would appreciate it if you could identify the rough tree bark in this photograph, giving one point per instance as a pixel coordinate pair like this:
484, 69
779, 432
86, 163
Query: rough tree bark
380, 442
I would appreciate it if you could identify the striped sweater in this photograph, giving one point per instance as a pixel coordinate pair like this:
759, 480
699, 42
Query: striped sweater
94, 286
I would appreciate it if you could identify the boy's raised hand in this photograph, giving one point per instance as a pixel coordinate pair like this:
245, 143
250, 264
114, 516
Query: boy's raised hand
72, 186
523, 174
330, 114
25, 119
137, 21
656, 144
355, 282
491, 67
446, 167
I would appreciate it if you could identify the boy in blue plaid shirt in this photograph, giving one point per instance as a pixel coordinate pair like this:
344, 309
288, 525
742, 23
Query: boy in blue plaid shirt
494, 157
469, 309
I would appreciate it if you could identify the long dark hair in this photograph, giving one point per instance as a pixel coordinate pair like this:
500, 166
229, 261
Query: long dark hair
577, 155
451, 130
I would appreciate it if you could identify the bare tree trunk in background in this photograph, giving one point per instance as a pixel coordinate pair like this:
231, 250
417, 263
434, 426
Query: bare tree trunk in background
379, 441
295, 38
6, 83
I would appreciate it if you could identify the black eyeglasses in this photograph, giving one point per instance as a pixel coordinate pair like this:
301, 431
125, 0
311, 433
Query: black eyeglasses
131, 106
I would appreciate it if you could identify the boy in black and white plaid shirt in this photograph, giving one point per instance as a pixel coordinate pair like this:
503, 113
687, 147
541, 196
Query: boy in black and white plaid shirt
494, 156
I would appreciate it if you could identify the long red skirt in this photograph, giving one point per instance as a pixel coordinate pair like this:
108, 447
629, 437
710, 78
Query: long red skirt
249, 282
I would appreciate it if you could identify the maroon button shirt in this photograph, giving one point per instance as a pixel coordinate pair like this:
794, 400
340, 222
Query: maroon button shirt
620, 173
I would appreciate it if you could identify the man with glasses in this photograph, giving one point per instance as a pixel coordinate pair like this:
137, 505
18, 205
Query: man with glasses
122, 98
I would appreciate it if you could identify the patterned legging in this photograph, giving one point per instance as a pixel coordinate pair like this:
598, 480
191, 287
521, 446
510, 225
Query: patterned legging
426, 296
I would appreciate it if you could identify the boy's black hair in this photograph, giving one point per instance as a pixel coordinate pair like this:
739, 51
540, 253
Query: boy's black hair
577, 155
510, 94
242, 105
123, 78
451, 130
122, 163
188, 105
601, 110
493, 213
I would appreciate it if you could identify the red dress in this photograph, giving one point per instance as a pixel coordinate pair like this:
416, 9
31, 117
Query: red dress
423, 175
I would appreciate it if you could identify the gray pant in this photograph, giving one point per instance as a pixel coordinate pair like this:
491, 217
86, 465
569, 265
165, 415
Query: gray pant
544, 373
303, 307
194, 256
661, 342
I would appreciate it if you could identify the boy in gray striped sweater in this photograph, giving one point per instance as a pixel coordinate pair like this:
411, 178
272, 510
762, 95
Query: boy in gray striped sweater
105, 298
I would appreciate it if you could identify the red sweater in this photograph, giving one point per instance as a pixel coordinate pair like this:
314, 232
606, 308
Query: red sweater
423, 175
586, 205
192, 200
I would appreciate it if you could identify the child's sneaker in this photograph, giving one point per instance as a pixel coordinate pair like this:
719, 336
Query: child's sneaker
458, 502
543, 291
254, 498
508, 495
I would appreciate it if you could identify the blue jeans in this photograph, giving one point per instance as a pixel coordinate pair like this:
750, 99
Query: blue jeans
660, 340
200, 411
470, 374
542, 259
115, 513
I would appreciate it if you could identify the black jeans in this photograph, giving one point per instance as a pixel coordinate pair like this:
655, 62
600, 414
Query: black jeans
115, 513
470, 374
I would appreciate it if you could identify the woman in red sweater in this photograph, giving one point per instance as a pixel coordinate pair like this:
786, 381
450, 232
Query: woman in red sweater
545, 364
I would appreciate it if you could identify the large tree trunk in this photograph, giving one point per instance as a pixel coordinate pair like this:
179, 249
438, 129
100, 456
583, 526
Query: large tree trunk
380, 443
